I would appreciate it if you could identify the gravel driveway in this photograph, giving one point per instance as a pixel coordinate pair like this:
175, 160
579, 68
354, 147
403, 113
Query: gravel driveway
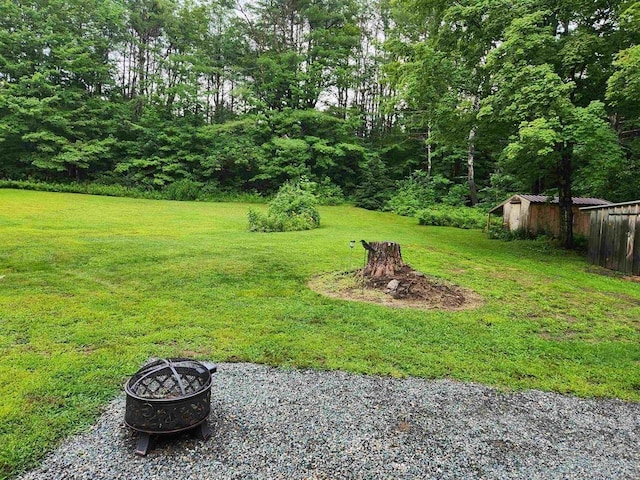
287, 424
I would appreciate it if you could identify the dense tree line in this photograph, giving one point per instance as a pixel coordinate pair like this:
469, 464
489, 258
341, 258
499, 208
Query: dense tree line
482, 96
530, 89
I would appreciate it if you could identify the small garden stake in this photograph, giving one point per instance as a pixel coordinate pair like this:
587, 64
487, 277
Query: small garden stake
352, 244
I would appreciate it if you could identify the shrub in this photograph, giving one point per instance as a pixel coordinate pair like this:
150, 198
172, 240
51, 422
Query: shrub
499, 232
419, 191
328, 193
210, 191
88, 188
457, 195
183, 190
293, 208
411, 194
450, 216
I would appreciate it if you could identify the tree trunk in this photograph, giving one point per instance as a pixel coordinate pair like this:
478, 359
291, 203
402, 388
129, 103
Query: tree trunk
564, 198
473, 194
383, 259
471, 153
429, 152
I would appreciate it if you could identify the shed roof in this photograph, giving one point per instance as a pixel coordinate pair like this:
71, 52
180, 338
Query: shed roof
580, 201
575, 200
609, 205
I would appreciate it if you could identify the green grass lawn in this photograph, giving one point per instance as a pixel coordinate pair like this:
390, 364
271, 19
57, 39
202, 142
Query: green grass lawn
90, 287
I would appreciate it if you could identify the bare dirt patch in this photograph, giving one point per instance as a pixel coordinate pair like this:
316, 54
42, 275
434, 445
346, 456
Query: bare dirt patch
406, 288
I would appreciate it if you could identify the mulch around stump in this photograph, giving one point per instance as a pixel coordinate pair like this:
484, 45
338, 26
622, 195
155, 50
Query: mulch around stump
405, 288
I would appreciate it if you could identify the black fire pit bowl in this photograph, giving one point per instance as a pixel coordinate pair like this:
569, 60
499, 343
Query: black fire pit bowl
169, 396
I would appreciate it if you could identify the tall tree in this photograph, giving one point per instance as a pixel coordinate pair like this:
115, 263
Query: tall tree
623, 96
56, 78
557, 126
298, 47
146, 23
450, 44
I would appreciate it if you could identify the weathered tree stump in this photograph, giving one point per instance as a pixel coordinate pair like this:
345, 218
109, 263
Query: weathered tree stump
383, 259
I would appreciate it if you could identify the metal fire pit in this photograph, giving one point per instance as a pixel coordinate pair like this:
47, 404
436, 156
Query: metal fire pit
168, 396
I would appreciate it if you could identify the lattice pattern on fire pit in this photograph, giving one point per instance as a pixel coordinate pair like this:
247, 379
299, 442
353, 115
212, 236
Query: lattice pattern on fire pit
167, 379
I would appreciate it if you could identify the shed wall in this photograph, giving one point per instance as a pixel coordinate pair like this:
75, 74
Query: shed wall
540, 218
614, 240
545, 218
515, 215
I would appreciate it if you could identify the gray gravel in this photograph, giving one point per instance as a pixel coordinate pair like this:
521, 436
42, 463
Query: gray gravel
287, 424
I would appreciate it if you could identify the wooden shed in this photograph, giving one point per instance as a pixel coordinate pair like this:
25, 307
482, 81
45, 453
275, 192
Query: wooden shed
539, 214
614, 236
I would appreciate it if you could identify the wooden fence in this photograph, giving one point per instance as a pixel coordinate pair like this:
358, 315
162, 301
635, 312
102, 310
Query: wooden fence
614, 237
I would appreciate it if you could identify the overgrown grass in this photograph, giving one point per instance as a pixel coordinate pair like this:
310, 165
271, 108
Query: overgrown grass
92, 286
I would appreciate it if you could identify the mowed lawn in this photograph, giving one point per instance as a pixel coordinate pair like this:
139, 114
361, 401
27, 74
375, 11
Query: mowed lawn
91, 287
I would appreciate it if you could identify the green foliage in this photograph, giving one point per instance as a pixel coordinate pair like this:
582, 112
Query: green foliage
538, 72
292, 71
285, 158
412, 194
265, 151
88, 188
327, 193
457, 195
558, 130
292, 209
207, 192
296, 198
501, 186
581, 244
309, 143
623, 93
498, 232
420, 191
154, 94
53, 94
373, 191
232, 152
623, 89
452, 216
183, 190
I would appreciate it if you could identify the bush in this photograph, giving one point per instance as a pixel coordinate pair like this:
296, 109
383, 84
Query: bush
328, 193
183, 190
457, 195
419, 191
292, 209
450, 216
411, 194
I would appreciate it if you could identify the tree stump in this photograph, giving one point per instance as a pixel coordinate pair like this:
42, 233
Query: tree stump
383, 259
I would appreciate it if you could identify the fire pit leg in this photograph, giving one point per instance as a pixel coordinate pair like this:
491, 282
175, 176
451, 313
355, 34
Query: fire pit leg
203, 431
142, 445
